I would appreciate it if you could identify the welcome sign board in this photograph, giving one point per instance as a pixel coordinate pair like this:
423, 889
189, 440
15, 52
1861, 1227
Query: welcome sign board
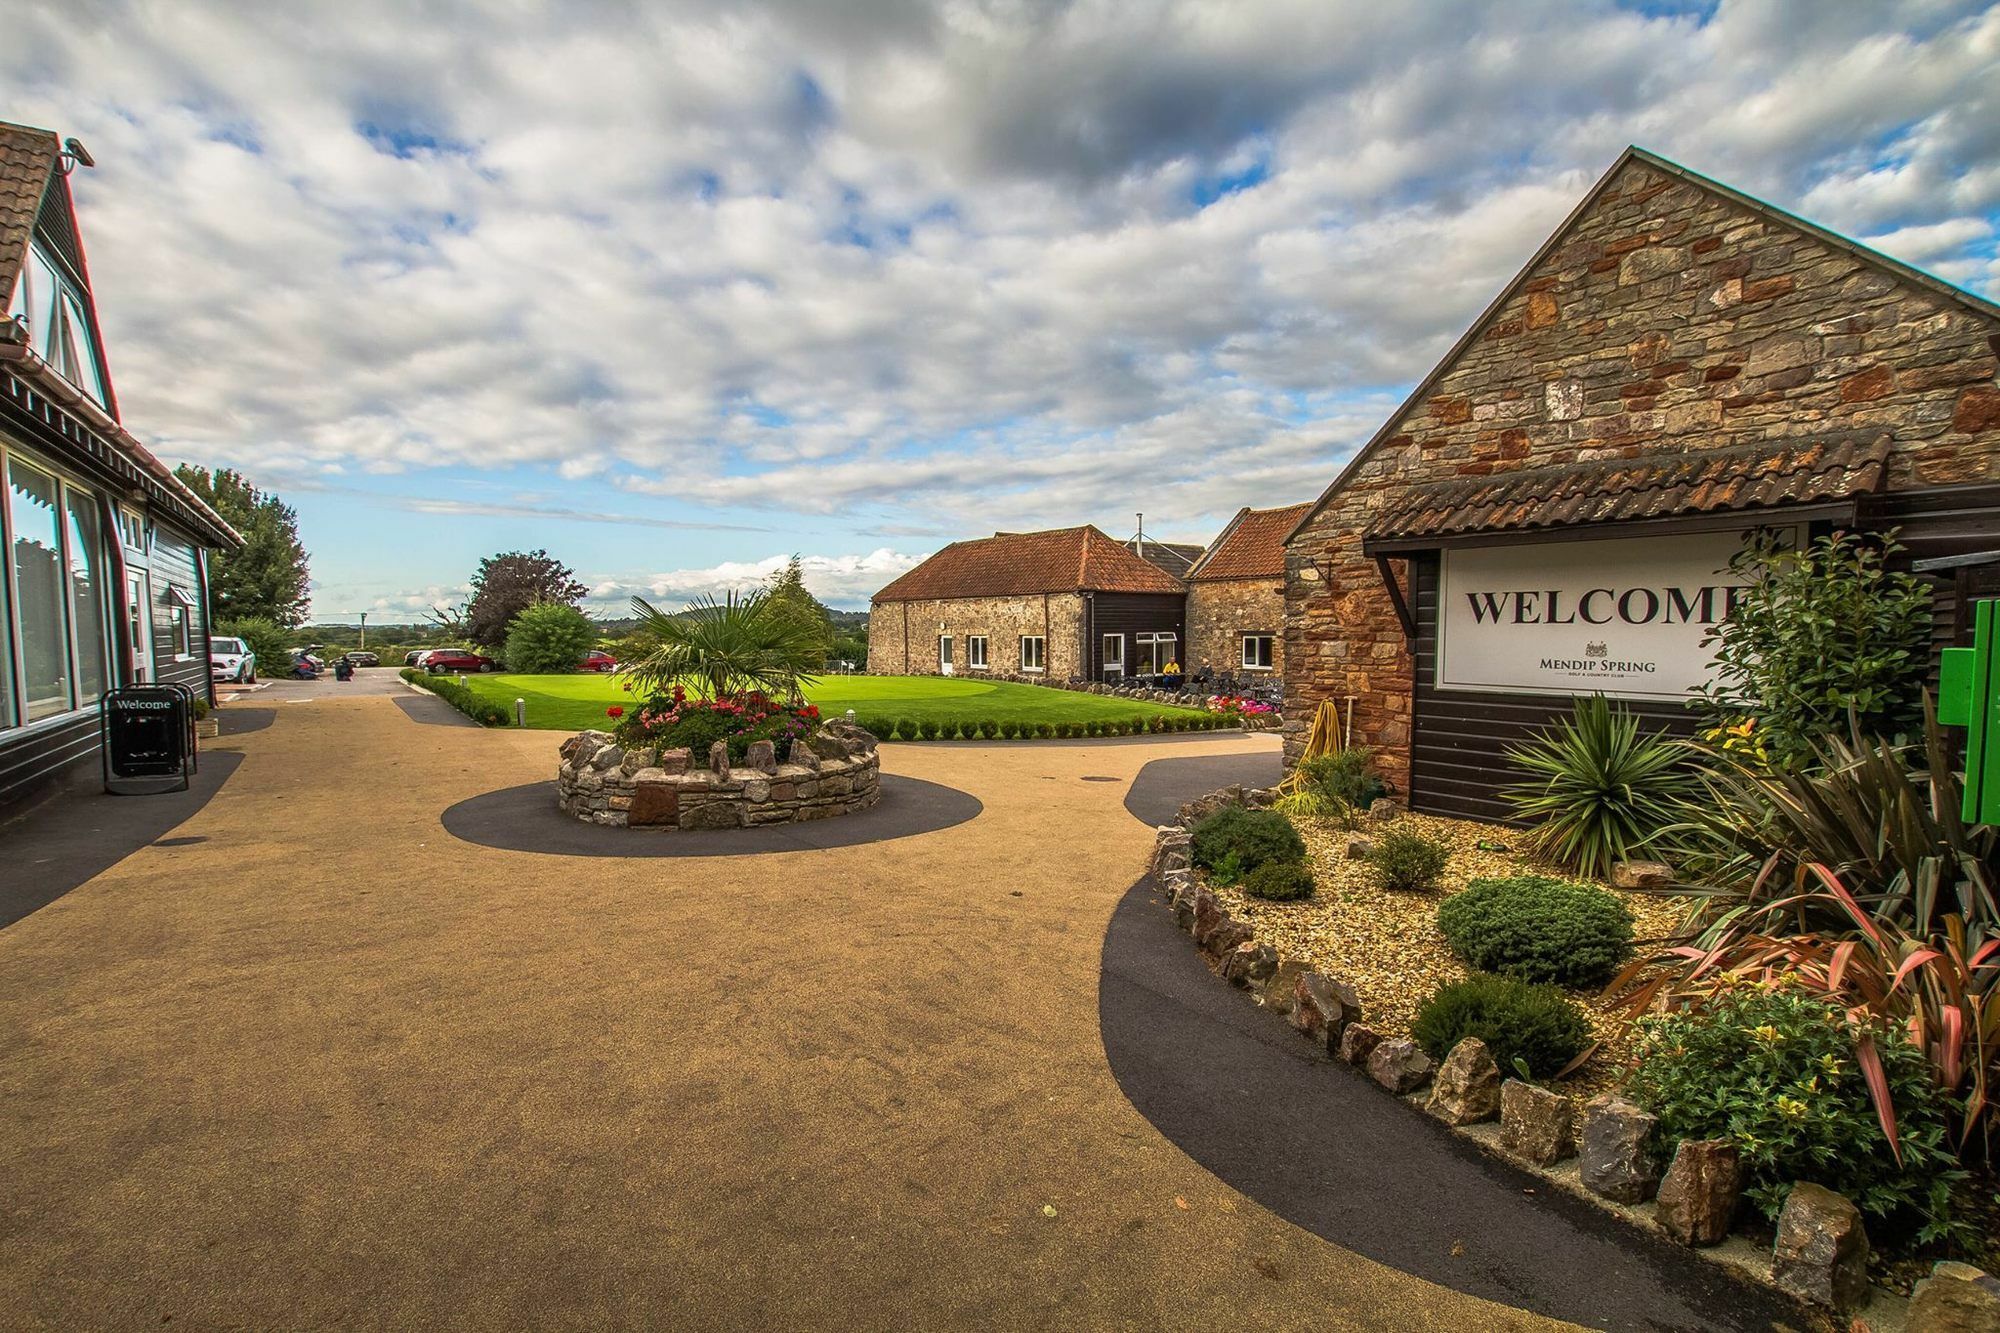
1622, 618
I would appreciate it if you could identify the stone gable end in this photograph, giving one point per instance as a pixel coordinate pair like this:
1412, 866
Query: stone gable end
1665, 317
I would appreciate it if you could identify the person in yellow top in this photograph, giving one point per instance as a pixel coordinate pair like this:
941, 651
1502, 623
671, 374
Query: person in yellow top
1172, 669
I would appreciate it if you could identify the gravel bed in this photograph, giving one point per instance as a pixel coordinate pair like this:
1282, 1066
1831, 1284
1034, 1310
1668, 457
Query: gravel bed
1387, 945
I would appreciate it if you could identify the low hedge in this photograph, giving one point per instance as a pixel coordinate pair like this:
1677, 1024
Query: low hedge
1538, 929
469, 702
1539, 1025
1280, 881
1234, 841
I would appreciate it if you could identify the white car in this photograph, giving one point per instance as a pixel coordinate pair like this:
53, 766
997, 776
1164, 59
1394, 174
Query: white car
231, 660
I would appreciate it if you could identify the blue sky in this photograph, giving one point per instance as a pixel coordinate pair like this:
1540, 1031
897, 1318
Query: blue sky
675, 290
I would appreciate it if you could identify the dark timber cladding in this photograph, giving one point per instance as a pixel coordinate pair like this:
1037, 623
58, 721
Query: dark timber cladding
1130, 615
1678, 364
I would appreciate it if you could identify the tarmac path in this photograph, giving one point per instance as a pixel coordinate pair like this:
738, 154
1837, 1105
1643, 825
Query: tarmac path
313, 1061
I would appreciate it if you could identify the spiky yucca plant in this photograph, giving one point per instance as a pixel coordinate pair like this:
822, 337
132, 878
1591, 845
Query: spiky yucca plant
1601, 791
743, 643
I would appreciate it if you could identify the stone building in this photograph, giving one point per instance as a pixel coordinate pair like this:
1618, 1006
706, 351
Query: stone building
104, 577
1551, 511
1236, 595
1068, 604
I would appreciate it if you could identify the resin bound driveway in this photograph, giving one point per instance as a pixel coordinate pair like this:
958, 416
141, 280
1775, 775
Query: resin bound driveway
319, 1063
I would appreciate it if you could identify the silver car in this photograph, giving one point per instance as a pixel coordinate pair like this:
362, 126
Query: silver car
231, 660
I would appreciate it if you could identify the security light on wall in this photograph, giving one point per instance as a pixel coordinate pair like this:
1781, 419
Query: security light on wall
75, 155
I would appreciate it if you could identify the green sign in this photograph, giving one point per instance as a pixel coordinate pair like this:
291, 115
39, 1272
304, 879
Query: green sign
1969, 697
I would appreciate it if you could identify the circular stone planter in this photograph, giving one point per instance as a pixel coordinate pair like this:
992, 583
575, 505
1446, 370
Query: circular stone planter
835, 771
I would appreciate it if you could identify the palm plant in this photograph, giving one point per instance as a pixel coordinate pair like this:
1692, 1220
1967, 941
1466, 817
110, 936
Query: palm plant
746, 642
1602, 790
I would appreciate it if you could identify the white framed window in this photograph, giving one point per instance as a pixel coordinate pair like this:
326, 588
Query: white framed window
1257, 652
55, 650
975, 652
1034, 652
52, 307
1114, 654
132, 531
1155, 654
179, 621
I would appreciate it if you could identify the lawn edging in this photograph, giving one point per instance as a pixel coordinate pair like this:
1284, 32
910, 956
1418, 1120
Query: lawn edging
1603, 1156
475, 706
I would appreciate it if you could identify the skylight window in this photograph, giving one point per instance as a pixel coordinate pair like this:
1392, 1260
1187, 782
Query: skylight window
58, 330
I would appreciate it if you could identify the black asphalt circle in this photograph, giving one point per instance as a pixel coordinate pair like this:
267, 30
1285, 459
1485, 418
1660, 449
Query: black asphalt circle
74, 836
1322, 1147
236, 719
1165, 785
525, 819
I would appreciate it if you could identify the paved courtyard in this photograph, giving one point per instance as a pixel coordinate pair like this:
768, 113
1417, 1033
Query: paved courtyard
314, 1061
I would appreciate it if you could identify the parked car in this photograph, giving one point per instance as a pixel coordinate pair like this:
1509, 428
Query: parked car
362, 657
231, 660
597, 660
458, 659
411, 658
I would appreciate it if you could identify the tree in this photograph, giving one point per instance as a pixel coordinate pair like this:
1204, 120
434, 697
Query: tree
788, 596
511, 582
1822, 634
746, 642
549, 637
268, 578
266, 638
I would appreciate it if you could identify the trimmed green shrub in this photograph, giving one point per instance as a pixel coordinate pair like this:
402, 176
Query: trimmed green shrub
469, 702
1252, 837
1538, 1025
929, 730
1345, 775
1280, 881
1010, 730
1044, 730
1773, 1069
989, 728
1406, 861
879, 728
1538, 929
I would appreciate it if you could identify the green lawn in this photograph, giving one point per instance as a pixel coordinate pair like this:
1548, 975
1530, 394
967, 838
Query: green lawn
574, 702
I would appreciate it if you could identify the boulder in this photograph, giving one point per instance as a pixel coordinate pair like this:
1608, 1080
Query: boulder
718, 759
1208, 915
1359, 848
1955, 1298
607, 758
1227, 935
1698, 1195
1536, 1125
1322, 1006
1615, 1144
635, 760
1821, 1253
1201, 807
654, 804
1467, 1089
1399, 1066
802, 755
762, 757
1281, 988
1259, 798
1357, 1043
675, 762
1641, 875
1249, 964
1384, 808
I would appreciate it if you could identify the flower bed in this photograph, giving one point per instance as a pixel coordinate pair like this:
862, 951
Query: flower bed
833, 771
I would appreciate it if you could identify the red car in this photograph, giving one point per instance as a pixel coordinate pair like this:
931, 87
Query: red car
457, 659
595, 660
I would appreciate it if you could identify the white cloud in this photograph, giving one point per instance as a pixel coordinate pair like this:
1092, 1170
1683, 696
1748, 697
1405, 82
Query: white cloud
841, 581
919, 268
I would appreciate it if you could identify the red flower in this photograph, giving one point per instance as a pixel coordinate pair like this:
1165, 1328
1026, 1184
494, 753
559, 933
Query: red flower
614, 711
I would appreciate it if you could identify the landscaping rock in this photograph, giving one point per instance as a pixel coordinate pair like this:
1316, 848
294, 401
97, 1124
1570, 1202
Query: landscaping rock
1467, 1090
1383, 809
1536, 1125
1615, 1145
1821, 1252
608, 758
1698, 1195
1259, 798
1208, 915
718, 759
1281, 989
1170, 850
1357, 1043
1399, 1066
675, 762
1201, 807
637, 759
1955, 1298
1641, 875
1359, 848
1249, 964
654, 805
802, 755
1322, 1006
762, 757
1228, 935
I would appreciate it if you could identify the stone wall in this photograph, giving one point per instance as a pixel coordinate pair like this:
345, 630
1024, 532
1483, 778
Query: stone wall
1666, 317
1221, 611
833, 772
1003, 620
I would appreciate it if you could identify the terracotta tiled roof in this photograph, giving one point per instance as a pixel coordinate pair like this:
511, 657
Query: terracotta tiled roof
27, 160
1251, 547
1008, 563
1658, 486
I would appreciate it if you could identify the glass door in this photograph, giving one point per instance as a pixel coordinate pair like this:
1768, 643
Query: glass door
944, 653
1114, 656
139, 625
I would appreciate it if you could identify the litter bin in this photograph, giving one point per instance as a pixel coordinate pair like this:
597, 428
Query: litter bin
148, 739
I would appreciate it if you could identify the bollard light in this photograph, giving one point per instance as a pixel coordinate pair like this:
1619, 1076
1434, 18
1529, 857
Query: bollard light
461, 680
520, 712
850, 715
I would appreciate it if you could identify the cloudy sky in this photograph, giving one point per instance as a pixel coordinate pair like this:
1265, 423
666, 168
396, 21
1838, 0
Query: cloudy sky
676, 289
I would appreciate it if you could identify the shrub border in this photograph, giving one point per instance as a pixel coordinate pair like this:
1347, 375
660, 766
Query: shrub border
482, 711
1294, 990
